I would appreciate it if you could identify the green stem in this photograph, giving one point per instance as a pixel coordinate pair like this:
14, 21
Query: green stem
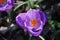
9, 16
30, 37
41, 37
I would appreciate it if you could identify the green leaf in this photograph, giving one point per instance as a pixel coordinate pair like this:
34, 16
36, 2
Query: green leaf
52, 24
58, 24
19, 5
30, 3
39, 1
32, 0
52, 28
36, 6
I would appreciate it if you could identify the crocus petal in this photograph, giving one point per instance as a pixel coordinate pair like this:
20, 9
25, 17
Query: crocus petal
35, 33
43, 17
33, 14
30, 30
20, 19
41, 26
8, 5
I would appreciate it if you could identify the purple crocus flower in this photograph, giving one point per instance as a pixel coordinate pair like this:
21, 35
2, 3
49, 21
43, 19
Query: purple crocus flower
6, 4
33, 21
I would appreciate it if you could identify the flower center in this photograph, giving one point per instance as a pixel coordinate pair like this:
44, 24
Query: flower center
2, 3
33, 22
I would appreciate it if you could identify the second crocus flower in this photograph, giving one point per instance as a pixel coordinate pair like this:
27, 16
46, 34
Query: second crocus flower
6, 5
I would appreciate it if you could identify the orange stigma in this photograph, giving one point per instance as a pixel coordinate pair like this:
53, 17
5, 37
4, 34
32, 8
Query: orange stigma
33, 22
2, 1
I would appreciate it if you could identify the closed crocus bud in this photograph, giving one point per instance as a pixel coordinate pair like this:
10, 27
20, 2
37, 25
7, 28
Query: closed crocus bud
6, 5
33, 21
